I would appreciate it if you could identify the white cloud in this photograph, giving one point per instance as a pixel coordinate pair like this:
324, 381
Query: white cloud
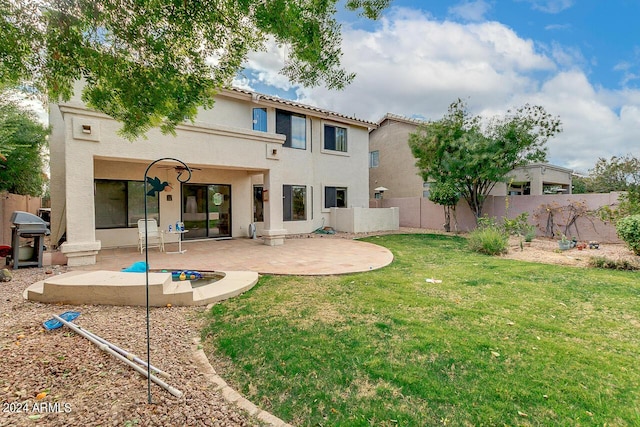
551, 6
566, 56
266, 65
557, 27
470, 10
415, 66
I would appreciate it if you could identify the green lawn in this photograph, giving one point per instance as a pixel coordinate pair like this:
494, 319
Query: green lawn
498, 342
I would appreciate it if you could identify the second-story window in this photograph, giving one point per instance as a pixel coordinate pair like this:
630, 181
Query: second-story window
260, 119
294, 127
374, 159
335, 138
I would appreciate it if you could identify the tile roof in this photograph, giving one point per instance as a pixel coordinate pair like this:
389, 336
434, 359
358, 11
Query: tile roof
257, 97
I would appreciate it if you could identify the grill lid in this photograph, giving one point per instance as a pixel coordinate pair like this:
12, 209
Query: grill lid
27, 220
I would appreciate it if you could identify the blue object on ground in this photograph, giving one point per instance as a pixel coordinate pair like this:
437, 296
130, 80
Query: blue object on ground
136, 267
189, 274
69, 316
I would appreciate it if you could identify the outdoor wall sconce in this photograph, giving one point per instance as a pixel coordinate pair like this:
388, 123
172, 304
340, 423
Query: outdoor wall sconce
169, 198
274, 152
86, 129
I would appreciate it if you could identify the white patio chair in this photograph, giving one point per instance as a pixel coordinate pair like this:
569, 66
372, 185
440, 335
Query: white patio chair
155, 237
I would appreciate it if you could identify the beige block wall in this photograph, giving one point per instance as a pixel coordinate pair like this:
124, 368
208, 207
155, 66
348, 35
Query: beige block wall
422, 213
363, 220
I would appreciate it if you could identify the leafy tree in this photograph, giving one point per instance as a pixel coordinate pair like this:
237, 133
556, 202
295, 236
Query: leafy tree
458, 149
148, 63
445, 194
615, 174
580, 184
22, 139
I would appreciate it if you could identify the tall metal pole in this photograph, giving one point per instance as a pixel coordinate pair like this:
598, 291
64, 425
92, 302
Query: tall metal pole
146, 258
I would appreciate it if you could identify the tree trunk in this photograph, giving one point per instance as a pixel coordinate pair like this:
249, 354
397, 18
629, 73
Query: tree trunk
455, 219
447, 219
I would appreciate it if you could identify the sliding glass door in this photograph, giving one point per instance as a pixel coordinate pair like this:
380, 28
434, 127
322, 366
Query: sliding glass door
206, 210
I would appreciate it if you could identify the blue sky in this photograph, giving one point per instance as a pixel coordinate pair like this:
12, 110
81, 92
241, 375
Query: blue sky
580, 59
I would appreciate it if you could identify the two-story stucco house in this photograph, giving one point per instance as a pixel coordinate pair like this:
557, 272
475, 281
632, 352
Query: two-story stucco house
256, 159
392, 166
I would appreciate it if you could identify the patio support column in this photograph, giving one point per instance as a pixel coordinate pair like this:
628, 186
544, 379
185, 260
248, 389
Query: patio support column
537, 185
81, 246
274, 232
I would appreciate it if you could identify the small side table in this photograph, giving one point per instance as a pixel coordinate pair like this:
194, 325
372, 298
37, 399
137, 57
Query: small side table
181, 233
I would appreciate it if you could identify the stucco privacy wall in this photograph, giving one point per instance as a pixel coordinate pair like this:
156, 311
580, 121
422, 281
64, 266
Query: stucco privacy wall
360, 220
421, 213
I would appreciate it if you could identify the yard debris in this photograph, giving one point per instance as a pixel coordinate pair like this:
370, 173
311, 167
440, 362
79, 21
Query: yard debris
433, 281
495, 354
5, 275
522, 414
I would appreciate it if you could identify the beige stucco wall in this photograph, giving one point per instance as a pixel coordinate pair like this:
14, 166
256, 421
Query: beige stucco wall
396, 171
317, 168
363, 220
85, 145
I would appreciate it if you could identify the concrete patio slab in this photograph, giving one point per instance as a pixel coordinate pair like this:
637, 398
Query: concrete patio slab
298, 256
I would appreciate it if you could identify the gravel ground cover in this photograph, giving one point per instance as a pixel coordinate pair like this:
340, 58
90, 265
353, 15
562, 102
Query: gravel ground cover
85, 386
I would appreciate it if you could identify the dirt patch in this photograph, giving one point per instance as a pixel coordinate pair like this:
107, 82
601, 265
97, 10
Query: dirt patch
546, 251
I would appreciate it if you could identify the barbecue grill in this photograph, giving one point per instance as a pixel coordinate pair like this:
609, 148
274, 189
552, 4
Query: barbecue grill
27, 226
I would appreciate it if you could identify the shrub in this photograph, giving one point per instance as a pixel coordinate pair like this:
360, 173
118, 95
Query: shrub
487, 221
628, 229
530, 233
620, 264
517, 226
488, 240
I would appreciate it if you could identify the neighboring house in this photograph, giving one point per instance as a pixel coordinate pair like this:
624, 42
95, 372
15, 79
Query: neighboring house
392, 166
536, 179
256, 159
